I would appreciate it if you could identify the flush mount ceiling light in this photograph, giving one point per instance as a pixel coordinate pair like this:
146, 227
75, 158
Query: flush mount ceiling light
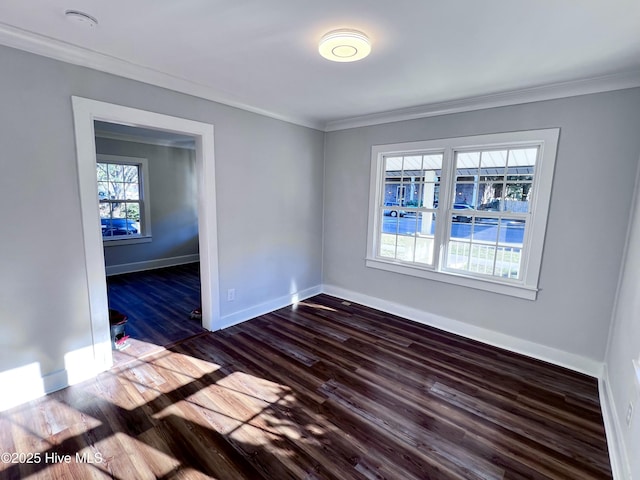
82, 18
344, 45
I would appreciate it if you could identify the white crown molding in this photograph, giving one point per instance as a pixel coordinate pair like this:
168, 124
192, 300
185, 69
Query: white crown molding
66, 52
618, 81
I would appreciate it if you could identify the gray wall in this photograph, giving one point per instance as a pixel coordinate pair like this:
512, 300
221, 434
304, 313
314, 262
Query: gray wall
173, 201
270, 238
624, 345
598, 153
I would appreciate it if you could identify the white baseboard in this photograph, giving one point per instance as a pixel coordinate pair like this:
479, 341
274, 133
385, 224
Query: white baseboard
151, 264
268, 307
568, 360
617, 453
28, 383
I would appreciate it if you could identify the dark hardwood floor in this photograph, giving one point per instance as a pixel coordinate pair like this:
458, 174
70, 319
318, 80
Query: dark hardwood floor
158, 303
319, 390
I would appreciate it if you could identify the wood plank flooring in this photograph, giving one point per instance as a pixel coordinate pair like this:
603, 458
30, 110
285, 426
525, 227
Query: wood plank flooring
319, 390
158, 303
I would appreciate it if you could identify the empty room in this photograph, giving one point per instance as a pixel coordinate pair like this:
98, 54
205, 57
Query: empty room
320, 240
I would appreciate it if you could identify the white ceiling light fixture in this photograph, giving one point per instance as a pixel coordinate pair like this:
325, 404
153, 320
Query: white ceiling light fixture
344, 45
82, 18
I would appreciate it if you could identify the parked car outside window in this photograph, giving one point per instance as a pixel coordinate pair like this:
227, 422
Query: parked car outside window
112, 227
461, 218
395, 212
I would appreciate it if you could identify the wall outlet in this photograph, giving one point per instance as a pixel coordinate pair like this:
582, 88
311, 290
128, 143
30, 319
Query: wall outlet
231, 295
629, 413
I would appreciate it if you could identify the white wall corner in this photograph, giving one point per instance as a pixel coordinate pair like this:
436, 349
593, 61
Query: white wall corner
555, 356
620, 467
268, 307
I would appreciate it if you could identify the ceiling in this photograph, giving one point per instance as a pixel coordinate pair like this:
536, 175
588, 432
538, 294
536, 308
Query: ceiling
428, 56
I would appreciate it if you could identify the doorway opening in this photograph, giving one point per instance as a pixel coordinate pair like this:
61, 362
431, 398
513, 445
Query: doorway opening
86, 113
147, 193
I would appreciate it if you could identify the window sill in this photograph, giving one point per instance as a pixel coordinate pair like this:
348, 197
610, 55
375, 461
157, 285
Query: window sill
117, 242
513, 290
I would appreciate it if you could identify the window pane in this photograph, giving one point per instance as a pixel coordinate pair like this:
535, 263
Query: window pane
103, 190
116, 172
389, 222
426, 225
430, 177
489, 195
481, 258
405, 248
407, 223
523, 157
458, 255
461, 230
517, 197
467, 165
102, 171
485, 230
488, 245
388, 245
512, 231
116, 191
424, 250
131, 173
105, 219
493, 162
508, 260
393, 166
131, 191
468, 160
412, 165
392, 193
132, 211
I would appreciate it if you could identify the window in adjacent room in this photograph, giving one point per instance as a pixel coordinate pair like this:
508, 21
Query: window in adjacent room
123, 199
468, 210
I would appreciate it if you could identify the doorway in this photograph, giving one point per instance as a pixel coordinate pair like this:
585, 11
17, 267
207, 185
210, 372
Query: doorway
86, 112
147, 192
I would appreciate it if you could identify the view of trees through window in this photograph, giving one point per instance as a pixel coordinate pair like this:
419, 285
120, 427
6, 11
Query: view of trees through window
120, 199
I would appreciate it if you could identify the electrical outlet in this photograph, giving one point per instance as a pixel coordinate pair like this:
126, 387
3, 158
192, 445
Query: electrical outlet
231, 295
629, 413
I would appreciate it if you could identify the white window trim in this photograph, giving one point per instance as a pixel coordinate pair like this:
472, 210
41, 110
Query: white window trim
143, 184
527, 287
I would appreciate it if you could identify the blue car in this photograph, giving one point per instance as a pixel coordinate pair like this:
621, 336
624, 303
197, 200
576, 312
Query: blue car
112, 227
393, 213
461, 218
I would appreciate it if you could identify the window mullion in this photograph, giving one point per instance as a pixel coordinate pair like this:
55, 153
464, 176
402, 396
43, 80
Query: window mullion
447, 184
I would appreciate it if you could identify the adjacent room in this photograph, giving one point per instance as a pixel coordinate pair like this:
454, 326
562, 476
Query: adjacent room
147, 194
330, 240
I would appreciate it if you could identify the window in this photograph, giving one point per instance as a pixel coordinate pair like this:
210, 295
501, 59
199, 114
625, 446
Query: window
470, 210
122, 198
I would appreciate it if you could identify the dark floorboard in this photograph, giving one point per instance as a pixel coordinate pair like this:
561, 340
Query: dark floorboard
158, 303
324, 389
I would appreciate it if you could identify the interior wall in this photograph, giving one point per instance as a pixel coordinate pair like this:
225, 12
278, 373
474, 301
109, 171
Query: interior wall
591, 197
269, 189
173, 201
624, 346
